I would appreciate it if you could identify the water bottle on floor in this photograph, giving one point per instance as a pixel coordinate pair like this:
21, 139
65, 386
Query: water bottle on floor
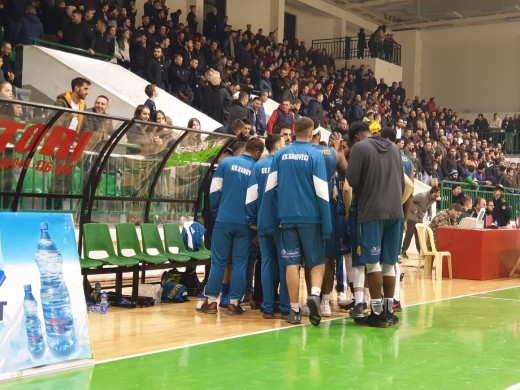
103, 304
33, 325
55, 298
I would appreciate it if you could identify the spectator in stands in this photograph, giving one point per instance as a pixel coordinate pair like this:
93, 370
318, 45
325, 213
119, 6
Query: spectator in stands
139, 55
78, 34
238, 108
178, 78
211, 102
282, 114
156, 69
74, 99
101, 128
315, 108
253, 113
362, 43
241, 78
449, 162
447, 217
496, 122
291, 94
482, 175
235, 128
104, 41
13, 11
122, 52
194, 82
28, 27
191, 19
457, 194
481, 123
506, 180
7, 64
152, 92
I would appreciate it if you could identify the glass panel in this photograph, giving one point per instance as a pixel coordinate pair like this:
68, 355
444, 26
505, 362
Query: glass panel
51, 167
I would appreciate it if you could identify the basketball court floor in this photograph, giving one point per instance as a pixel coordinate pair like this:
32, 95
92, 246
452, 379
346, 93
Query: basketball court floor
454, 334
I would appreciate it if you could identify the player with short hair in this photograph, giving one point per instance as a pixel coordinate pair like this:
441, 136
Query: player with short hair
298, 172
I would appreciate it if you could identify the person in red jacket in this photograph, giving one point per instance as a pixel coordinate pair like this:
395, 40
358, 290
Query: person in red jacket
283, 114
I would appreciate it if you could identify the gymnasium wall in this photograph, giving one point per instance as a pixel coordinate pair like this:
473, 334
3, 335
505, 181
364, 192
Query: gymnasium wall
472, 68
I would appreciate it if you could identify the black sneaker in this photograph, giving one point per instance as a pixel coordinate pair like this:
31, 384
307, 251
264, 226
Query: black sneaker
256, 305
313, 301
347, 308
361, 321
284, 316
233, 310
357, 311
377, 320
266, 315
208, 308
391, 318
294, 318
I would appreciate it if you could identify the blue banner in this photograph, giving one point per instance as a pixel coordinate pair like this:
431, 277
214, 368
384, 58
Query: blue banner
43, 317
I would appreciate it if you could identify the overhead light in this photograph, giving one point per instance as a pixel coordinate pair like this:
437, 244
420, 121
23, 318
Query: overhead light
458, 14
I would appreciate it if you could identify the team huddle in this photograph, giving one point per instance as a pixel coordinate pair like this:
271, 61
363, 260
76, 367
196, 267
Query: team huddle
309, 207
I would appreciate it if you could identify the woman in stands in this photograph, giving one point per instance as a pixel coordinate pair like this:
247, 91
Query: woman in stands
6, 92
123, 52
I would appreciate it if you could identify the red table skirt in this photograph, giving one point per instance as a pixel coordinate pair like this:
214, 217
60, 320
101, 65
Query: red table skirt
479, 254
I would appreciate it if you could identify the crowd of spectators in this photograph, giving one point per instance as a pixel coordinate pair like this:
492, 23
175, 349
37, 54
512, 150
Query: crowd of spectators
207, 70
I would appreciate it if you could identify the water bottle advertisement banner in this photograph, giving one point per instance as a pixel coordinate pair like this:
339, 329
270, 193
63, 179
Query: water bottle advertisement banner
43, 317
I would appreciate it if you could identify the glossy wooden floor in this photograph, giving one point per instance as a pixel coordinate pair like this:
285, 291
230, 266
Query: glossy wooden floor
127, 332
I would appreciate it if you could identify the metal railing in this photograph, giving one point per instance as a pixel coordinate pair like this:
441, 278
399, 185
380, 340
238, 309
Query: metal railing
511, 195
508, 138
348, 48
70, 49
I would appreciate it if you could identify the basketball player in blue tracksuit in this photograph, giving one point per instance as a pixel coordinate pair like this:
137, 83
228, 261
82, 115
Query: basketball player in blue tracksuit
298, 179
329, 155
231, 234
273, 271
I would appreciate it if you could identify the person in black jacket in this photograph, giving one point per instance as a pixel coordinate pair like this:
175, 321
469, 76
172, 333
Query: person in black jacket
211, 102
156, 70
194, 82
78, 34
139, 55
104, 42
178, 78
238, 108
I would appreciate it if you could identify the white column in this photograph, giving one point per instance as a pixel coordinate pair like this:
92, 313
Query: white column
411, 60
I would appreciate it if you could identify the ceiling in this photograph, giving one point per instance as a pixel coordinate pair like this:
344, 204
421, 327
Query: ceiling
412, 14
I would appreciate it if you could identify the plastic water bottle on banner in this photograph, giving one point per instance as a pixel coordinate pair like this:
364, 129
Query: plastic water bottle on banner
103, 304
57, 313
33, 325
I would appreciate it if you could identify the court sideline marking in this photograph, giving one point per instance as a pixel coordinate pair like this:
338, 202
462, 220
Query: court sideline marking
498, 299
282, 328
